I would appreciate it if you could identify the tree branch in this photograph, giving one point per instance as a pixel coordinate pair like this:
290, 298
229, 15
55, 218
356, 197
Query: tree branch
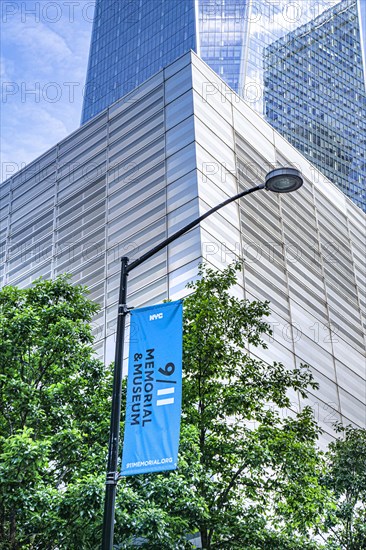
222, 496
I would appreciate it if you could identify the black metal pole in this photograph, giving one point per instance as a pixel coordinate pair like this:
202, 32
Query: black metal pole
191, 225
112, 474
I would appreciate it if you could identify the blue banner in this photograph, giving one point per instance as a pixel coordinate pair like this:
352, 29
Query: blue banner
154, 390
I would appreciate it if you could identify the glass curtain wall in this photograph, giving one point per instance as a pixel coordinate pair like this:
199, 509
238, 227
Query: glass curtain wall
315, 95
233, 35
131, 41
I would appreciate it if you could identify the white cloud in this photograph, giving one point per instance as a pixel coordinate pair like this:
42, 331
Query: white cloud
39, 60
38, 46
6, 69
35, 131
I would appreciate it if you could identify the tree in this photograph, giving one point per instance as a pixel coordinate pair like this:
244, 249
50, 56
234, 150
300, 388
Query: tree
54, 418
346, 477
249, 475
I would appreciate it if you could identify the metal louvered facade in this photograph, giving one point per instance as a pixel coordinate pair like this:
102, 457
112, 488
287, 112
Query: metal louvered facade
155, 160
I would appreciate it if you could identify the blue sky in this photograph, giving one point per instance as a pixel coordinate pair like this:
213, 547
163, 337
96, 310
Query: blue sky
43, 60
44, 56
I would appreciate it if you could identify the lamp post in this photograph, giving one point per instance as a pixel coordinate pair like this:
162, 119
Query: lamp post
282, 180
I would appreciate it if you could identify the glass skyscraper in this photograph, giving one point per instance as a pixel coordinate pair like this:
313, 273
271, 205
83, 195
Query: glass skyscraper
233, 34
133, 39
314, 96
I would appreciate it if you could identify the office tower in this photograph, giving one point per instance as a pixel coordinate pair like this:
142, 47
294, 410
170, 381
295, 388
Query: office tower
132, 40
315, 96
155, 160
232, 36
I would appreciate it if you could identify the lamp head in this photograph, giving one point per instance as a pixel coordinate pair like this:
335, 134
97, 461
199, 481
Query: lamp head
283, 180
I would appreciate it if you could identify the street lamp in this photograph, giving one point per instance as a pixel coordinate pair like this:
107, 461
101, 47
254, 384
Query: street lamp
282, 180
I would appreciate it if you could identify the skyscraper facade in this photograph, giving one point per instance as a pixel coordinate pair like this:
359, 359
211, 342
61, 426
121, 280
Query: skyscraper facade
132, 40
233, 34
315, 96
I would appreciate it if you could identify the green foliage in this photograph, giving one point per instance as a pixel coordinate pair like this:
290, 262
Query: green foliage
346, 477
54, 416
248, 475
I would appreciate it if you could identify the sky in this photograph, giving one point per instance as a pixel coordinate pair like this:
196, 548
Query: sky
44, 57
43, 60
